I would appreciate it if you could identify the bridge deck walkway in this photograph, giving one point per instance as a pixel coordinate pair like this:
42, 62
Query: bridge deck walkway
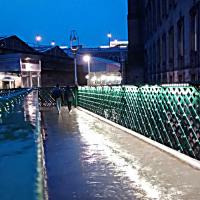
89, 159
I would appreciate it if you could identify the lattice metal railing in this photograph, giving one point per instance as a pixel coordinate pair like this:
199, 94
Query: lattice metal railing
169, 115
46, 99
9, 98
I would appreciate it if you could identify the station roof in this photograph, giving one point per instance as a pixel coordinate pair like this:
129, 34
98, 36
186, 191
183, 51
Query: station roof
15, 44
52, 51
95, 59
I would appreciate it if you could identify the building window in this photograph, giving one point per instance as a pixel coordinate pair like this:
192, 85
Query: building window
193, 77
149, 64
174, 3
180, 41
164, 52
180, 78
154, 14
164, 8
146, 22
150, 18
158, 56
146, 64
158, 13
194, 31
23, 66
154, 59
170, 4
194, 38
171, 47
170, 79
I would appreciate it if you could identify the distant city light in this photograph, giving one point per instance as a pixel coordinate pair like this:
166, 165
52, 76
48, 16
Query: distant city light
63, 47
112, 78
109, 35
119, 43
53, 43
27, 58
103, 77
104, 47
38, 38
94, 78
86, 58
87, 76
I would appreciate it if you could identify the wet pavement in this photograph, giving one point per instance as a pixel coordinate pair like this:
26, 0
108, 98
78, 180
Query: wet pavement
88, 159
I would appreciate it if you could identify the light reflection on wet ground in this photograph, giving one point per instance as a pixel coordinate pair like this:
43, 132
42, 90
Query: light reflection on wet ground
88, 159
18, 152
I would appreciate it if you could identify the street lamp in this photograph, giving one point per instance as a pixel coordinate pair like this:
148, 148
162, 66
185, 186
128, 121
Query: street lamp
74, 45
87, 58
109, 35
38, 39
53, 43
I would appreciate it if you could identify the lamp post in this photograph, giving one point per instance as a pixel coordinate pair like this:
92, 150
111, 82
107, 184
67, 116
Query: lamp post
122, 66
87, 59
109, 35
74, 45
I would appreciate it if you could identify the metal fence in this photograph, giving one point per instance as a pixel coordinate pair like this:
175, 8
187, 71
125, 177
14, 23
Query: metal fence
46, 99
10, 97
169, 115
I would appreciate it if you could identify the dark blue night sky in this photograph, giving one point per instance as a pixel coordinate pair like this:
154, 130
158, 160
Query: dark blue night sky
54, 20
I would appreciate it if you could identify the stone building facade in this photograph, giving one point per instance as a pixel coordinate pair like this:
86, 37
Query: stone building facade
171, 43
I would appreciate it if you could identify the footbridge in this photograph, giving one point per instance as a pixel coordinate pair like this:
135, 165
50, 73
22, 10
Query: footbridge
119, 142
